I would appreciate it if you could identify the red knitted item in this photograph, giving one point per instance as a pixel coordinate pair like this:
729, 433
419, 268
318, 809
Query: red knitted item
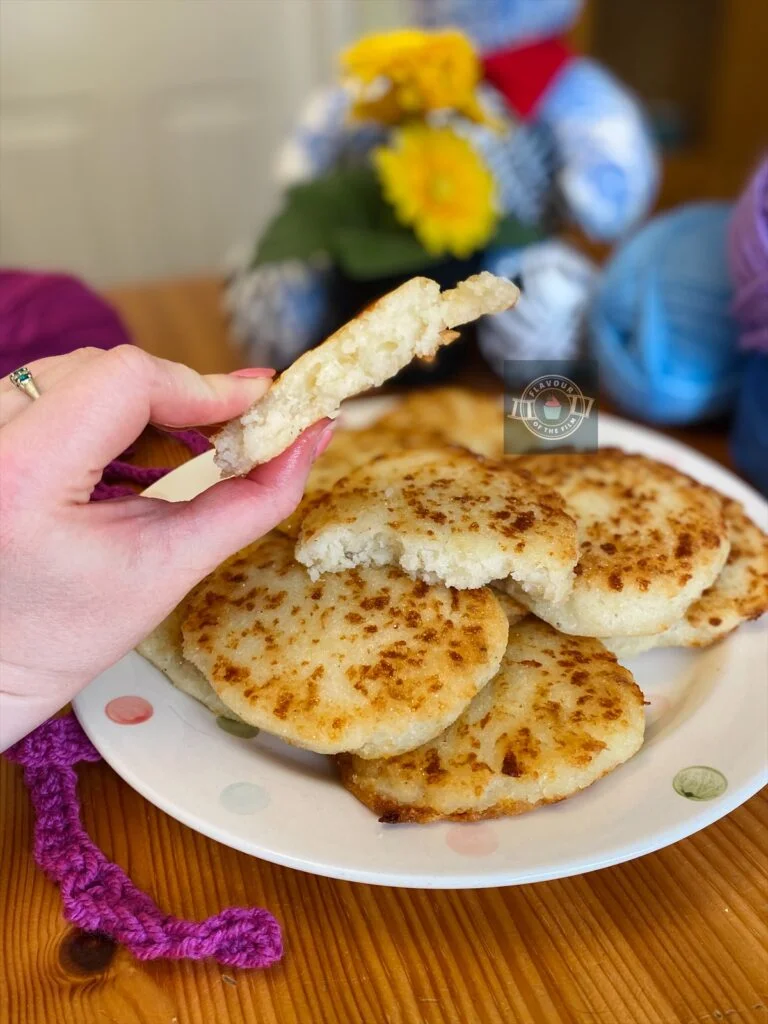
522, 74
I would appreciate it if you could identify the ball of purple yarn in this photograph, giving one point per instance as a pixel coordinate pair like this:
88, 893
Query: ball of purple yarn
748, 259
50, 315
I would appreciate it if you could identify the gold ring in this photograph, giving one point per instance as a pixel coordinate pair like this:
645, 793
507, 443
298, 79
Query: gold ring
24, 381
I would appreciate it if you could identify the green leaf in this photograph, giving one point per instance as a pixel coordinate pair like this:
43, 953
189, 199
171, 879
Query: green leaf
316, 210
345, 215
347, 197
352, 195
367, 253
291, 235
512, 234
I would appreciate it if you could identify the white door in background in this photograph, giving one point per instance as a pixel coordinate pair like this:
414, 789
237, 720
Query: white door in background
137, 137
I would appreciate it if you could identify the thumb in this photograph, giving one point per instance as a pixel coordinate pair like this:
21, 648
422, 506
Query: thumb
236, 512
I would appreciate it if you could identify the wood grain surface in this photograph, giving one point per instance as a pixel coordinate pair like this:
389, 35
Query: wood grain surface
677, 936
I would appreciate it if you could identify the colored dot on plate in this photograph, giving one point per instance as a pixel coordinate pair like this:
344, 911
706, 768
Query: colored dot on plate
472, 840
240, 729
700, 783
244, 798
129, 710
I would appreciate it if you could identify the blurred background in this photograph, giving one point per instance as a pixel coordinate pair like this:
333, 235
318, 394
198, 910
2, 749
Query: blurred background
137, 139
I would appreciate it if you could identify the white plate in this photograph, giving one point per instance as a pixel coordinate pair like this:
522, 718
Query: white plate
707, 737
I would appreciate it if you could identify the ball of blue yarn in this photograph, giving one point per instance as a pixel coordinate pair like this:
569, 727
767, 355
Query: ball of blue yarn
660, 325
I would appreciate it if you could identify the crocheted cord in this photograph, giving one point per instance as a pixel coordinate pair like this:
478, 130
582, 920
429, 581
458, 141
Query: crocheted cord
96, 894
110, 487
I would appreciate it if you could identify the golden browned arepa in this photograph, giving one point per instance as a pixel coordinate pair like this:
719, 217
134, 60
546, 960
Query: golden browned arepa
460, 416
739, 593
651, 541
514, 610
560, 714
413, 320
163, 649
348, 450
444, 515
368, 660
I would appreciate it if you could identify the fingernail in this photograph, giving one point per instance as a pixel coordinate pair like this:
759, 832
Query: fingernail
323, 441
253, 371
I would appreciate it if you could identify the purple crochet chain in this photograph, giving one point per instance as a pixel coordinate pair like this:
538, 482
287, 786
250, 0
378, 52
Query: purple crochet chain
119, 470
96, 894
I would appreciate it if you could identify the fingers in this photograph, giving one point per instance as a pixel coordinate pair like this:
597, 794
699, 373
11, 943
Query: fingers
189, 399
93, 414
236, 512
47, 373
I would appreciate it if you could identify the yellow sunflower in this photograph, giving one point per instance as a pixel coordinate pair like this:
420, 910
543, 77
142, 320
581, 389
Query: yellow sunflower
406, 73
439, 185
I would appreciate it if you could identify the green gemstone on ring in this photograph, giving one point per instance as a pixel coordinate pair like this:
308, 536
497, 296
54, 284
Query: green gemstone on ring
21, 376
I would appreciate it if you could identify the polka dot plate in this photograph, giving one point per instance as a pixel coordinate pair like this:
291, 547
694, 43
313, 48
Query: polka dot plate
706, 752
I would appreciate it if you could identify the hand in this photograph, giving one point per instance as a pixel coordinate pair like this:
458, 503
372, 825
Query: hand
83, 583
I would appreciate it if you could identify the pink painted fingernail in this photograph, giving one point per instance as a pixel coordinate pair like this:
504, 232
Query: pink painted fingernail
323, 441
253, 371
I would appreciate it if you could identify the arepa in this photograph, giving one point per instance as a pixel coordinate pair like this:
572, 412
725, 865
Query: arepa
651, 540
348, 450
413, 320
560, 714
514, 610
162, 648
467, 418
443, 515
739, 593
369, 661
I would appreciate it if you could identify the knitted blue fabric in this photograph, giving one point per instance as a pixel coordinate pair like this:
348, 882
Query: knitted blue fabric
521, 158
279, 310
608, 164
661, 326
556, 283
492, 24
325, 137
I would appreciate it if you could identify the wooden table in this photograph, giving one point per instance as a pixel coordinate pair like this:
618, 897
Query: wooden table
677, 936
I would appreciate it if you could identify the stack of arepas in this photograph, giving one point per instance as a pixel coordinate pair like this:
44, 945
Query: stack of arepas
443, 620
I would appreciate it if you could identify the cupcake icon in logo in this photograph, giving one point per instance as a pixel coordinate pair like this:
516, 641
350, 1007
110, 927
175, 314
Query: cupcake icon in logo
552, 408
